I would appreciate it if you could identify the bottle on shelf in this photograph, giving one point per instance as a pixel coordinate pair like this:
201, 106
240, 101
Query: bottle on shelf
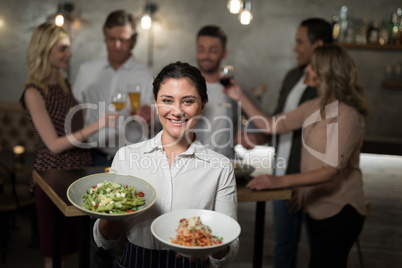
363, 31
343, 23
393, 28
399, 20
383, 37
335, 27
373, 33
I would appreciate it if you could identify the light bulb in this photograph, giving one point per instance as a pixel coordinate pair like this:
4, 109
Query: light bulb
146, 21
19, 149
235, 6
59, 20
245, 17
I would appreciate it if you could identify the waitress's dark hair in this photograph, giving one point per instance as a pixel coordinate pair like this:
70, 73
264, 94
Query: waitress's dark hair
179, 70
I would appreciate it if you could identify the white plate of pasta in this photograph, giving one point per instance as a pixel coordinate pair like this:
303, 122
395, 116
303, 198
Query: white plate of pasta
195, 232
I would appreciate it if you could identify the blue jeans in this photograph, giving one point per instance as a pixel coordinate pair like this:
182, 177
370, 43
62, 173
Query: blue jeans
287, 226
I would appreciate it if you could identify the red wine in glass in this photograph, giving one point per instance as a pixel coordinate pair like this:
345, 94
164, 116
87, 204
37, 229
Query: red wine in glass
225, 81
226, 74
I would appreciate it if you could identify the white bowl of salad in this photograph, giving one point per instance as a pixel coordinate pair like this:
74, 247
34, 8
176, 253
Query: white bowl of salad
111, 196
195, 232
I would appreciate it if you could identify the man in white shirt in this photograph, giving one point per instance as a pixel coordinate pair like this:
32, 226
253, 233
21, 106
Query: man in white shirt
98, 79
96, 82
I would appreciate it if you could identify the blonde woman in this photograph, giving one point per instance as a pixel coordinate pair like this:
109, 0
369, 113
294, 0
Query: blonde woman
47, 100
330, 182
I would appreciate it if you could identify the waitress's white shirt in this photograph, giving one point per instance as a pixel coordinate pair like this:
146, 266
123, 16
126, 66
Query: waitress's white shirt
198, 178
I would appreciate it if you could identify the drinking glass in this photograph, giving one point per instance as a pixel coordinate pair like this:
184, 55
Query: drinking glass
134, 92
119, 100
226, 73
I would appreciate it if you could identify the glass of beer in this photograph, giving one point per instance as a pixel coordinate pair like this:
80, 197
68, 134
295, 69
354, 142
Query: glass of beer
119, 100
134, 93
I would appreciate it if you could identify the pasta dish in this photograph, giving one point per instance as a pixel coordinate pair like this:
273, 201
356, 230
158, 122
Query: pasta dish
191, 232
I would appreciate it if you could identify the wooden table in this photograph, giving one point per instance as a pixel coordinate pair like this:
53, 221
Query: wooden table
55, 183
259, 197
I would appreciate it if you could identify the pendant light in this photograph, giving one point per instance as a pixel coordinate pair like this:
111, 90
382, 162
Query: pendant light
246, 16
146, 20
234, 6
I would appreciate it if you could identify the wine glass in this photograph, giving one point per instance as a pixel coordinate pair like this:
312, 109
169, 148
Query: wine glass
226, 73
119, 100
134, 93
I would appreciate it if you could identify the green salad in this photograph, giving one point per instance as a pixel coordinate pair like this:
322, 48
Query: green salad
110, 197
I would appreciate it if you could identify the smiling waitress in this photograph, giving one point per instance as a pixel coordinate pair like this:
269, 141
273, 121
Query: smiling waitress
184, 173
